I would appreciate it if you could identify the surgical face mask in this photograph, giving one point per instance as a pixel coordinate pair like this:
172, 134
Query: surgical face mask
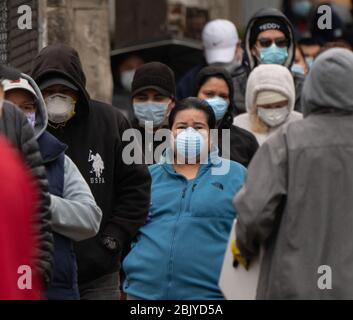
189, 143
126, 78
61, 108
273, 117
31, 117
151, 111
219, 106
297, 68
273, 55
309, 61
302, 8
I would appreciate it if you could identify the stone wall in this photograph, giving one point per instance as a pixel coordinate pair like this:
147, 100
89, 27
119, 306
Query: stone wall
84, 25
217, 8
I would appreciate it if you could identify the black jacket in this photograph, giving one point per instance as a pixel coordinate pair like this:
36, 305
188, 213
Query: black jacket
14, 125
94, 138
243, 144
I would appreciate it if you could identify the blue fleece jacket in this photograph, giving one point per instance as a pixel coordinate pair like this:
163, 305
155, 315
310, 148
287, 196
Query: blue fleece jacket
180, 250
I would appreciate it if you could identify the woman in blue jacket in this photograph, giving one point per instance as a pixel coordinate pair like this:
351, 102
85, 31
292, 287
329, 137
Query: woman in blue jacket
179, 252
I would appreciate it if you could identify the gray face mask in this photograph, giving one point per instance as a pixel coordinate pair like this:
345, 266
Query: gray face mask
273, 117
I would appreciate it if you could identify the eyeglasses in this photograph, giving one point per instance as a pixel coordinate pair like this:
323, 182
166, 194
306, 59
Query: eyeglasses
267, 42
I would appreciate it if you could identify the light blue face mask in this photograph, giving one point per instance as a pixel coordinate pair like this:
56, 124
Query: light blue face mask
273, 55
219, 106
297, 68
302, 8
309, 61
31, 117
151, 111
189, 143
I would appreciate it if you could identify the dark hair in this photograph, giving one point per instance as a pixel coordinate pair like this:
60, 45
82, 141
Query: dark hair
193, 103
218, 72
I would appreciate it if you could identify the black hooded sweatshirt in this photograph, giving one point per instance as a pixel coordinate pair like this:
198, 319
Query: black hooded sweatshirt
94, 138
243, 144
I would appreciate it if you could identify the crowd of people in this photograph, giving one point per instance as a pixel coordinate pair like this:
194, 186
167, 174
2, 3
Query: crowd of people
259, 132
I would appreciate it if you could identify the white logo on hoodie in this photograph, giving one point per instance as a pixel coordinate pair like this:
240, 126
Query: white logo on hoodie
97, 167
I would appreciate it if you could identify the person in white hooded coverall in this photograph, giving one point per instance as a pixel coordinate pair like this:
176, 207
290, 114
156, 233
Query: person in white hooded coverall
270, 100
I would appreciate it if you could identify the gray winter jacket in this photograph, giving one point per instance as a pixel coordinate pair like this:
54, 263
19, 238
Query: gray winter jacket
297, 200
75, 215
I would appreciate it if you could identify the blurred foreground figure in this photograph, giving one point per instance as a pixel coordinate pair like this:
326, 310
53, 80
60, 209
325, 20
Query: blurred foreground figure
18, 277
16, 128
297, 200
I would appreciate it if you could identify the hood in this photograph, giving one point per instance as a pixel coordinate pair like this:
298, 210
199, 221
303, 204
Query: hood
41, 114
326, 87
269, 13
271, 77
62, 60
212, 71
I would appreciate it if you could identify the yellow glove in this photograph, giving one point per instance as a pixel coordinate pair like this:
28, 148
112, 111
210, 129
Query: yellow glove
237, 257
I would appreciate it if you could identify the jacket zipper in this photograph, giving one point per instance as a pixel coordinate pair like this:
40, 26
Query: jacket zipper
173, 242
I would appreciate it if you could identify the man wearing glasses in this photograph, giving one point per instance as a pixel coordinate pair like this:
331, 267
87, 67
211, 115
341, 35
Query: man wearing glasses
269, 39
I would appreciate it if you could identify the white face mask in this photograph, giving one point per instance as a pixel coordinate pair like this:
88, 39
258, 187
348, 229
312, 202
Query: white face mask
126, 78
61, 108
273, 117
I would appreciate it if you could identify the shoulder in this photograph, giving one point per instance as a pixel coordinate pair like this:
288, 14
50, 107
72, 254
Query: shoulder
294, 115
234, 167
105, 109
71, 170
155, 168
243, 133
194, 71
230, 172
242, 121
108, 113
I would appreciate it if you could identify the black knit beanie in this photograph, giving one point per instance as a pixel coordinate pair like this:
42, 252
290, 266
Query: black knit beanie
157, 76
268, 23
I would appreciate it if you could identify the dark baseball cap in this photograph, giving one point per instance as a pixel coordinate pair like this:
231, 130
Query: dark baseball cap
57, 81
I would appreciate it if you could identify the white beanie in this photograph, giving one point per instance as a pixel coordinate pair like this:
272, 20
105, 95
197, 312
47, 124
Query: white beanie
269, 97
270, 82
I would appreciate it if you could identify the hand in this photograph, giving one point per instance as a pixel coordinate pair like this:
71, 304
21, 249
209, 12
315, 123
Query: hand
110, 243
238, 258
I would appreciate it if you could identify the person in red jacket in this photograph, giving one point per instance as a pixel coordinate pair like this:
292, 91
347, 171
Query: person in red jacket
18, 277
